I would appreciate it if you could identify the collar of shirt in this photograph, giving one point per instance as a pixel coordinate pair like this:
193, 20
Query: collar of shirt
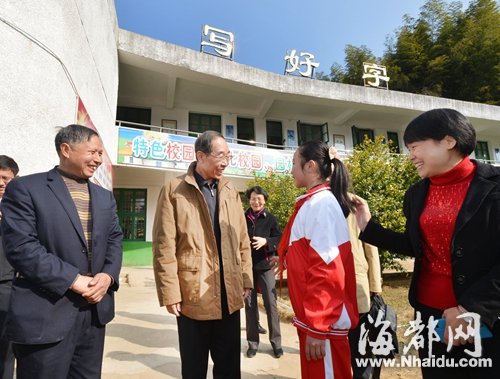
205, 183
71, 176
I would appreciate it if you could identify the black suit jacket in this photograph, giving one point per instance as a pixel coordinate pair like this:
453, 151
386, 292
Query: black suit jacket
6, 270
475, 244
44, 241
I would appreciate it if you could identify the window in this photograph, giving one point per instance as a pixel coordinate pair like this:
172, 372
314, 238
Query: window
312, 132
393, 137
358, 135
200, 123
131, 209
246, 130
274, 134
482, 151
137, 115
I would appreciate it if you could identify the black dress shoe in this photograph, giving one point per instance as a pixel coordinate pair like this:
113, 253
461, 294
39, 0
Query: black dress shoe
278, 352
251, 353
262, 330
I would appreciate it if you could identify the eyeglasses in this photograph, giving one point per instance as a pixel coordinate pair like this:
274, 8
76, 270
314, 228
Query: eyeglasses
222, 157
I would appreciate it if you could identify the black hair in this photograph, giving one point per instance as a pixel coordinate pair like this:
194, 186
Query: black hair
339, 179
204, 141
258, 190
7, 163
436, 124
73, 134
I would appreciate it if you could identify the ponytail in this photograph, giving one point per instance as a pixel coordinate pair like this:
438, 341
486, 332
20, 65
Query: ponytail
329, 169
339, 185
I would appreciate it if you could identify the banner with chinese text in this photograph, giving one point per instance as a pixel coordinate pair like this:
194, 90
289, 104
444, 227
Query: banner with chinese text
162, 150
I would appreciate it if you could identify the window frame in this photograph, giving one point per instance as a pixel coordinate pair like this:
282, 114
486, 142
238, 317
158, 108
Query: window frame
128, 211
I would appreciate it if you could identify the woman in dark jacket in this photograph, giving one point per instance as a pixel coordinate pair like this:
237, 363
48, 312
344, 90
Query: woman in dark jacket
453, 232
264, 233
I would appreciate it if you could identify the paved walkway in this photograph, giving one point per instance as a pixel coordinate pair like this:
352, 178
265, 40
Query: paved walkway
141, 342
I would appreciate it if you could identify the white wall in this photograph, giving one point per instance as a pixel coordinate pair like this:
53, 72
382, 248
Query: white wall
36, 94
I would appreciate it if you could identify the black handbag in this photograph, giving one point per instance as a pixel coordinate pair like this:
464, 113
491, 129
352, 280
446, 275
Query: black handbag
387, 325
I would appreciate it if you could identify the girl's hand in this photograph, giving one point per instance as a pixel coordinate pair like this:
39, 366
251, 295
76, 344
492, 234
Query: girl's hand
315, 348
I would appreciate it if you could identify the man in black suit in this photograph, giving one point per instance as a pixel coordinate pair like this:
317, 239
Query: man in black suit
61, 234
8, 171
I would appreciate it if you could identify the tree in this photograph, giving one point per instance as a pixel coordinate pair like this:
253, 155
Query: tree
447, 52
443, 52
354, 58
382, 178
410, 57
477, 54
337, 74
282, 194
352, 72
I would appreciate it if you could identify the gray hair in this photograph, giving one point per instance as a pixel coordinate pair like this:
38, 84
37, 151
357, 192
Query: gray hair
73, 134
204, 141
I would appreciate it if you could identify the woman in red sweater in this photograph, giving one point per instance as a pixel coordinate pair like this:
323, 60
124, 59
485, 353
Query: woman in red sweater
452, 231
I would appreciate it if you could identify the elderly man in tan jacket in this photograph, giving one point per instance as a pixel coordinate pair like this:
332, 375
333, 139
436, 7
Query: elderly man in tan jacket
202, 261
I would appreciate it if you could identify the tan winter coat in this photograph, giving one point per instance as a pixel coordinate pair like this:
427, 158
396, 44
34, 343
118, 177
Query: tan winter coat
185, 257
366, 266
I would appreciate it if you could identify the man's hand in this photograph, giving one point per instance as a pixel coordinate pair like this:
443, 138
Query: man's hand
174, 309
97, 288
81, 284
246, 293
315, 348
258, 242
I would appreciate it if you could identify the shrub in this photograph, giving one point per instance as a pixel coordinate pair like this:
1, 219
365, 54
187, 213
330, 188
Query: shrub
282, 194
382, 178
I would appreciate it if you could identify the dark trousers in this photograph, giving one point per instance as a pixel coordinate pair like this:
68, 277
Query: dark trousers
359, 372
490, 349
267, 283
220, 338
6, 353
78, 355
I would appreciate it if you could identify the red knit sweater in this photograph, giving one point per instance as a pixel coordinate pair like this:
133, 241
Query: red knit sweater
437, 223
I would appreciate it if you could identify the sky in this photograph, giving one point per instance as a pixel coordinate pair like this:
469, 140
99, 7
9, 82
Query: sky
265, 30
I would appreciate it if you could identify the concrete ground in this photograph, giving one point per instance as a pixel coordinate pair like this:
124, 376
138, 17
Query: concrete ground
141, 342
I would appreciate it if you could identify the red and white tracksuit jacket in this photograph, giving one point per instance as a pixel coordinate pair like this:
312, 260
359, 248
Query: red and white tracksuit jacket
321, 277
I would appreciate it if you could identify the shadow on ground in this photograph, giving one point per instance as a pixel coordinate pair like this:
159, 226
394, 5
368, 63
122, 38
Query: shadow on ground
148, 317
171, 366
139, 335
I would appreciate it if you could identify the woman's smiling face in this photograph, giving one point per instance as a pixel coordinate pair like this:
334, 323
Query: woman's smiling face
432, 157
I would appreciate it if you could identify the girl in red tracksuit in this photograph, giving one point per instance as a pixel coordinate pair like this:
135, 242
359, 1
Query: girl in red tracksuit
316, 251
